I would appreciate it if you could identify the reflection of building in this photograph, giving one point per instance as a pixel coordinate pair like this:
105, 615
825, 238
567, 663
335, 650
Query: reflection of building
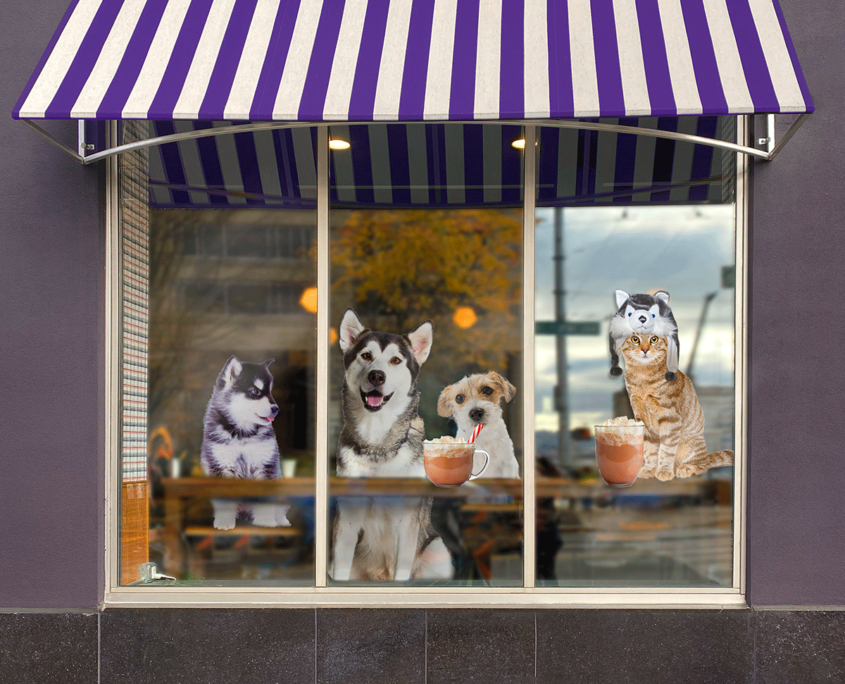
717, 403
224, 285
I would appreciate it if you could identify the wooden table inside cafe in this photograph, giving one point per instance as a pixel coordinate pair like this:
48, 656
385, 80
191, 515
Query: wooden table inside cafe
483, 494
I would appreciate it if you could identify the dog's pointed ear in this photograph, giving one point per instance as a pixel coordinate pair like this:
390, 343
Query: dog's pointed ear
421, 340
621, 298
443, 403
267, 363
350, 329
230, 372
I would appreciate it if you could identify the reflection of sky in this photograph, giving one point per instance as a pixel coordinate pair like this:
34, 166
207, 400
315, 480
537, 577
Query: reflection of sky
680, 249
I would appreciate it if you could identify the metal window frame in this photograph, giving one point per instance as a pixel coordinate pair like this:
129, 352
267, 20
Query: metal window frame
321, 595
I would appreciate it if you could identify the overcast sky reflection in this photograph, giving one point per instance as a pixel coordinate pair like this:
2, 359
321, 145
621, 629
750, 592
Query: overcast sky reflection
681, 249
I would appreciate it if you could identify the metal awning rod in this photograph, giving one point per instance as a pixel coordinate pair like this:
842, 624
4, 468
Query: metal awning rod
763, 155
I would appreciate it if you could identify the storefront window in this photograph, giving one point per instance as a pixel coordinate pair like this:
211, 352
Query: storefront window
431, 254
219, 359
638, 215
424, 241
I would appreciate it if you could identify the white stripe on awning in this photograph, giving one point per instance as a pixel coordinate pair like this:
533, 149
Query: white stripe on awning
339, 92
585, 89
252, 59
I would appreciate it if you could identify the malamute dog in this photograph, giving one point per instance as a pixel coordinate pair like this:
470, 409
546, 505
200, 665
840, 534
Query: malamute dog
384, 538
238, 440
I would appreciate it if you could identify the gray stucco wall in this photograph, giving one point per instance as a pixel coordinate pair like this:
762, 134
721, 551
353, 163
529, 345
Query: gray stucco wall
51, 302
51, 294
796, 506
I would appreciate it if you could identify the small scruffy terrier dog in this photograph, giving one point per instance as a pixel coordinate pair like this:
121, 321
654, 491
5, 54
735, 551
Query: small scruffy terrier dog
476, 399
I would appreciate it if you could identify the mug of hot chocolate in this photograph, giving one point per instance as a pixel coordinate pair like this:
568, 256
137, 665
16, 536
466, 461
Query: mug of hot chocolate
619, 450
449, 461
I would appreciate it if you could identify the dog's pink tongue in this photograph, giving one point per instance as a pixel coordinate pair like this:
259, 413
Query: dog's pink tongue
374, 400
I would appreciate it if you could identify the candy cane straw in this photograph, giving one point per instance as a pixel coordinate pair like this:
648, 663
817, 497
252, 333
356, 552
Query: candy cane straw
475, 433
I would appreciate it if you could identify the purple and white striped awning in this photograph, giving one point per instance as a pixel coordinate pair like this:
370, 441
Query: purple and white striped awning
420, 60
440, 165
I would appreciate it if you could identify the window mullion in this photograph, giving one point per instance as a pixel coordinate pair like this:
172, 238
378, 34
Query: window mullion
528, 469
322, 454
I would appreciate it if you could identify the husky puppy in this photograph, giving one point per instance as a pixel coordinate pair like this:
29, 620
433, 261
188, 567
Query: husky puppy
476, 399
387, 538
238, 440
644, 314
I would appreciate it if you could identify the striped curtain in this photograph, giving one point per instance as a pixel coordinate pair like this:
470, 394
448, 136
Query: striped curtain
135, 228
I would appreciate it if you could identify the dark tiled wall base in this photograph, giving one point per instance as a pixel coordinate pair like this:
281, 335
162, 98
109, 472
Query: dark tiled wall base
37, 648
409, 646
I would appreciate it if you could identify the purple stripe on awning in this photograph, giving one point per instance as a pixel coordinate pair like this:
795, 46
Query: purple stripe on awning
512, 174
753, 60
703, 58
702, 157
412, 99
547, 172
560, 61
658, 80
363, 98
362, 164
211, 163
173, 80
172, 162
400, 172
137, 48
512, 60
626, 161
320, 67
802, 82
41, 62
664, 159
274, 64
84, 60
250, 172
283, 145
464, 56
228, 57
608, 73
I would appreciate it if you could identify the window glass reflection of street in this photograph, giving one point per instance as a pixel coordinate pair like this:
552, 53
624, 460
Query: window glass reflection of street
675, 533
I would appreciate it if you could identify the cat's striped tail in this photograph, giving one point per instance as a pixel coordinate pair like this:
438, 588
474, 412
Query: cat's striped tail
700, 466
720, 458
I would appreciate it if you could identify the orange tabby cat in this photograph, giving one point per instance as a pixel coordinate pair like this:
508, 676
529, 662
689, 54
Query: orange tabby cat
674, 422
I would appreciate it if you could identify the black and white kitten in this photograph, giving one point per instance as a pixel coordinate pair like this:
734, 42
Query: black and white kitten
644, 314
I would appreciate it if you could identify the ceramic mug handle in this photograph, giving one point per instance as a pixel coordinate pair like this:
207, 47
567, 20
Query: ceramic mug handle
486, 463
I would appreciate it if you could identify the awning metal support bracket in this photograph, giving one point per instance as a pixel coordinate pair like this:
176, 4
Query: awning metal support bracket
83, 146
792, 130
764, 139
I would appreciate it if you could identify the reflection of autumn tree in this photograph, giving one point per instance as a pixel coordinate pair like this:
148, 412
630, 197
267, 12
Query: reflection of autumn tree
406, 266
174, 327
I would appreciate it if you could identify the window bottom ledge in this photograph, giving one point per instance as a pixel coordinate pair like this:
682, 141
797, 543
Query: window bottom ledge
487, 598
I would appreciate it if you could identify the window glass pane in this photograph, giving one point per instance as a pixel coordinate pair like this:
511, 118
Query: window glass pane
219, 360
622, 212
426, 226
